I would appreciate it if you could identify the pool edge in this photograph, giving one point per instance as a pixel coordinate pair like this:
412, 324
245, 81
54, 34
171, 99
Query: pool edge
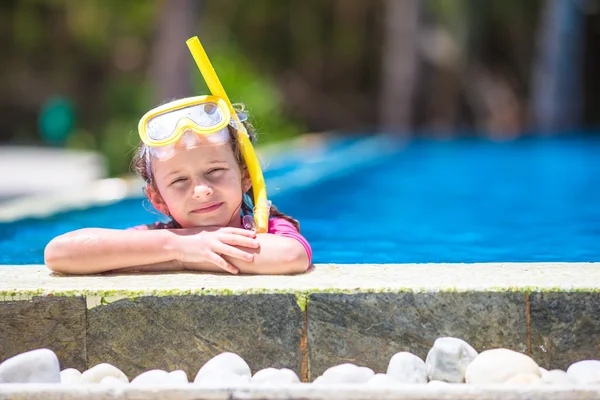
308, 322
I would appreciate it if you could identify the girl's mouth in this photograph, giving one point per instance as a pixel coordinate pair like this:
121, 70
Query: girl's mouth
210, 207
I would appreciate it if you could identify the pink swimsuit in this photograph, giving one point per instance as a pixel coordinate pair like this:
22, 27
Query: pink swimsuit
277, 226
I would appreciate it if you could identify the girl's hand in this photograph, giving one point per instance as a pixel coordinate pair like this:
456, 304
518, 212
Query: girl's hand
209, 246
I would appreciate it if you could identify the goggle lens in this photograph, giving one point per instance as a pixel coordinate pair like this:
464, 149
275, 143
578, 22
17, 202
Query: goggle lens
207, 116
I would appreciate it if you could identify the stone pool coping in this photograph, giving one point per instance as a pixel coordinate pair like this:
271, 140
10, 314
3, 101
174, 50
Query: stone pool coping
343, 278
299, 391
357, 313
23, 282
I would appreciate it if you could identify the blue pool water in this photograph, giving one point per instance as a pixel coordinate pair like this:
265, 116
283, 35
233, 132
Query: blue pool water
466, 200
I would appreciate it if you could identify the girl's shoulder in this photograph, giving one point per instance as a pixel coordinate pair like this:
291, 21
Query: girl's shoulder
283, 227
277, 225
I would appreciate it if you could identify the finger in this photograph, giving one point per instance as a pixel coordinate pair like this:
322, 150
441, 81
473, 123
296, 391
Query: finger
221, 263
226, 250
239, 231
237, 240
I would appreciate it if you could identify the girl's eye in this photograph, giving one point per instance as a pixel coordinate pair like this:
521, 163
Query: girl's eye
215, 171
178, 181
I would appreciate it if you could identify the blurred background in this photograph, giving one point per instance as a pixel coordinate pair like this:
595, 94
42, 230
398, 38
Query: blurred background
469, 129
78, 74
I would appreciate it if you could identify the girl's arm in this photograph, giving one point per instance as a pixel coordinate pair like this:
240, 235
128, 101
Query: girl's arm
282, 251
95, 250
276, 255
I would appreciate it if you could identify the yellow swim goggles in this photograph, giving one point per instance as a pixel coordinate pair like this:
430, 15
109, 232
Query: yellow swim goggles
206, 116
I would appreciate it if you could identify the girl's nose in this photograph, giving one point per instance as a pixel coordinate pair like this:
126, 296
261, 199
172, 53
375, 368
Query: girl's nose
201, 190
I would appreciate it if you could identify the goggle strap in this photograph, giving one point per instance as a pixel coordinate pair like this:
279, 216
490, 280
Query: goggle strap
241, 128
242, 116
147, 157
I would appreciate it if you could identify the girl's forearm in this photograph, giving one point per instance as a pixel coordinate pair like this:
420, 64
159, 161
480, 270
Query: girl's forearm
276, 255
94, 250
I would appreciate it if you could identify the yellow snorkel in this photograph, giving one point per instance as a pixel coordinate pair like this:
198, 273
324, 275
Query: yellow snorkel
261, 205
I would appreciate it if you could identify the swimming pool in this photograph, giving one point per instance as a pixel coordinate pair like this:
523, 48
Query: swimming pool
368, 200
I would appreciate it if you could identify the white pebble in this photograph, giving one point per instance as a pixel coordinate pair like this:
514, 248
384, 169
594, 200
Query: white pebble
222, 379
100, 371
499, 365
225, 362
523, 379
383, 380
112, 381
586, 372
70, 376
556, 377
151, 377
319, 381
274, 376
36, 366
448, 359
178, 377
346, 373
407, 368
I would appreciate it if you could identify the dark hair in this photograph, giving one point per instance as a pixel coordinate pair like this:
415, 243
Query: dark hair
140, 164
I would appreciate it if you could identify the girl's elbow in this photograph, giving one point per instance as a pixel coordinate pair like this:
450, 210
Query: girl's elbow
296, 259
55, 254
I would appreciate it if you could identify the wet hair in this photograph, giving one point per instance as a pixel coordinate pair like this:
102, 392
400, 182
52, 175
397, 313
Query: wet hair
141, 165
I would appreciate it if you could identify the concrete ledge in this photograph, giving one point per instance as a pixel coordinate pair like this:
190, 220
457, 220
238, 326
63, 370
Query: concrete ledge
332, 314
298, 391
27, 280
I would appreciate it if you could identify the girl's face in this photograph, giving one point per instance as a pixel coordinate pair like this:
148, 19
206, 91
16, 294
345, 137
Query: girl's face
200, 186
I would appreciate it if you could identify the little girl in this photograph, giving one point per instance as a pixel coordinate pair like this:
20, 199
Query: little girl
195, 173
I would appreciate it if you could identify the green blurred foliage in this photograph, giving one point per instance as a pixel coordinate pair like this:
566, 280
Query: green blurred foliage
298, 65
255, 91
78, 49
